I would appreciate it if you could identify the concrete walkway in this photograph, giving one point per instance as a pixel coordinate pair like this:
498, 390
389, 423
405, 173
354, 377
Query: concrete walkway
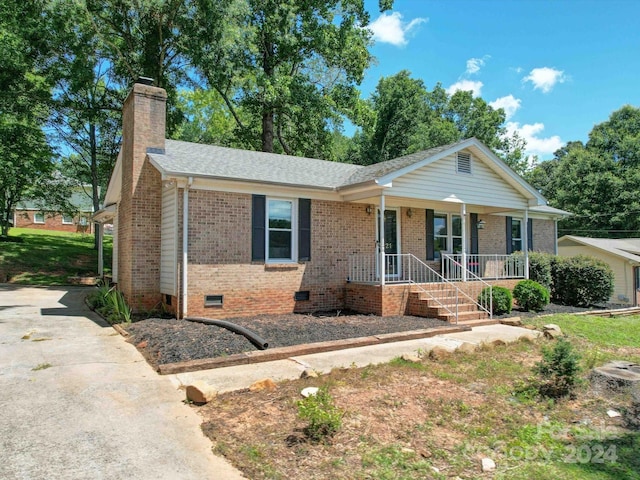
242, 376
78, 402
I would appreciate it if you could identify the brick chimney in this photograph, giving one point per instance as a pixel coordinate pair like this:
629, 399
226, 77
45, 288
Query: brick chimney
139, 210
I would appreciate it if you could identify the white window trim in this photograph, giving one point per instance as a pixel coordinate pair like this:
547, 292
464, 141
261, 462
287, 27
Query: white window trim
64, 222
450, 235
294, 231
521, 220
39, 222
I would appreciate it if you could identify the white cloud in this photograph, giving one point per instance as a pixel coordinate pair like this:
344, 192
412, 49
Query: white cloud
475, 64
466, 86
389, 28
545, 78
536, 145
509, 104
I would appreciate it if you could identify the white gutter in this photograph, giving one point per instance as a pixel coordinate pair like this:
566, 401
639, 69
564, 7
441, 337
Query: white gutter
185, 243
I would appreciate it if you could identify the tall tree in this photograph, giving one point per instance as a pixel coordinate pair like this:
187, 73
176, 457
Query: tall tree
406, 117
291, 65
598, 182
24, 93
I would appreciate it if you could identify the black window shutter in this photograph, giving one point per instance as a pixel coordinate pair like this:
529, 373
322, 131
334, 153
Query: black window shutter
304, 229
474, 234
509, 242
530, 234
430, 233
258, 212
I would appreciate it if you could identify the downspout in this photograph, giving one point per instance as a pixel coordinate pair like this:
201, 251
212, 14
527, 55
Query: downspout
555, 236
525, 243
185, 243
382, 249
99, 229
463, 214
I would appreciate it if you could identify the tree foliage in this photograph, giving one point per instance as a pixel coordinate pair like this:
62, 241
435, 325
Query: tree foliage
24, 92
405, 117
598, 182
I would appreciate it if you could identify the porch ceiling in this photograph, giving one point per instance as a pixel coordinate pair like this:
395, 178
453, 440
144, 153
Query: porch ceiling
452, 205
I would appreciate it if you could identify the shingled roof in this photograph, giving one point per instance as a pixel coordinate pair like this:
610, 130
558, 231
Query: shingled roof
211, 161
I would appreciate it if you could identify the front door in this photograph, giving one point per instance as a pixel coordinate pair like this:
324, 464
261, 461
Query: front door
391, 243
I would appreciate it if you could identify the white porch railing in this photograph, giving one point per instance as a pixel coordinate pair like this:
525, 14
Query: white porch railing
407, 268
494, 267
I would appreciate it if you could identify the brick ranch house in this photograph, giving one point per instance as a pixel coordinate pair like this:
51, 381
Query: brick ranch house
30, 214
220, 232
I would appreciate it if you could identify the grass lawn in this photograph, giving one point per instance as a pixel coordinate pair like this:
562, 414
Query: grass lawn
437, 419
49, 257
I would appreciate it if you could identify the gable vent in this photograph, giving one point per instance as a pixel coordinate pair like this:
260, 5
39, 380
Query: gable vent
463, 163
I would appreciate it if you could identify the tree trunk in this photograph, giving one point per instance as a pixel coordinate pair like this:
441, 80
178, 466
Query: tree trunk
267, 132
95, 182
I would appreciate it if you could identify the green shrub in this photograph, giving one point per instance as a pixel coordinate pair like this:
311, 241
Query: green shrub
111, 304
539, 266
531, 295
502, 300
324, 418
558, 370
581, 281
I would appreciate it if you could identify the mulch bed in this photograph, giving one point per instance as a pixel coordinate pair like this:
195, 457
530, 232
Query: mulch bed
164, 341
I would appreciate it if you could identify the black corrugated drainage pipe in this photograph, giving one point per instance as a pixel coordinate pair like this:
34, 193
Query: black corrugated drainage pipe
254, 338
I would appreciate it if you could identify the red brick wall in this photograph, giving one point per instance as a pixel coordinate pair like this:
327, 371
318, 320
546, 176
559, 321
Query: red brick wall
25, 219
139, 211
220, 257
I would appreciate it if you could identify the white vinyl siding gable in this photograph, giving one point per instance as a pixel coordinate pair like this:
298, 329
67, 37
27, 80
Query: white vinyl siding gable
441, 181
168, 241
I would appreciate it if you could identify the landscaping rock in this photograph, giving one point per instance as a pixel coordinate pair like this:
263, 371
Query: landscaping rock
528, 337
466, 347
498, 343
309, 373
309, 391
200, 392
266, 384
407, 357
616, 376
488, 465
513, 321
551, 331
439, 353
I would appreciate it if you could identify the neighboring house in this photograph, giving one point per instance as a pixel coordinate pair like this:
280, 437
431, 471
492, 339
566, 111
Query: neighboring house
31, 214
622, 255
221, 232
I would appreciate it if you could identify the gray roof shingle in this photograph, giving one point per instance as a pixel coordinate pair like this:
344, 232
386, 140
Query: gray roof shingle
193, 159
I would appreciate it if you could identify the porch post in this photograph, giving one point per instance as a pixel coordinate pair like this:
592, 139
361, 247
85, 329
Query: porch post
99, 231
381, 235
525, 242
463, 215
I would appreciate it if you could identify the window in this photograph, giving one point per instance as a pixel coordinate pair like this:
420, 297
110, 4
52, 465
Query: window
280, 230
516, 235
447, 234
83, 221
463, 163
67, 219
38, 218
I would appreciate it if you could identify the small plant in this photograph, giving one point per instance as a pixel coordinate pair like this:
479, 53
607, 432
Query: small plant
111, 304
531, 295
324, 418
41, 366
500, 299
558, 370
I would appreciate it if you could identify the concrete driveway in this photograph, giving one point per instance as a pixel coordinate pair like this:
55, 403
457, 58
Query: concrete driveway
78, 402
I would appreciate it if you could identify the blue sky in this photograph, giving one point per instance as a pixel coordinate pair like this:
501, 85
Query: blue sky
557, 67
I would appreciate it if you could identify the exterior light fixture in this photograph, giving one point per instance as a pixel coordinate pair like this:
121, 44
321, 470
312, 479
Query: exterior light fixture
410, 213
480, 225
368, 209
